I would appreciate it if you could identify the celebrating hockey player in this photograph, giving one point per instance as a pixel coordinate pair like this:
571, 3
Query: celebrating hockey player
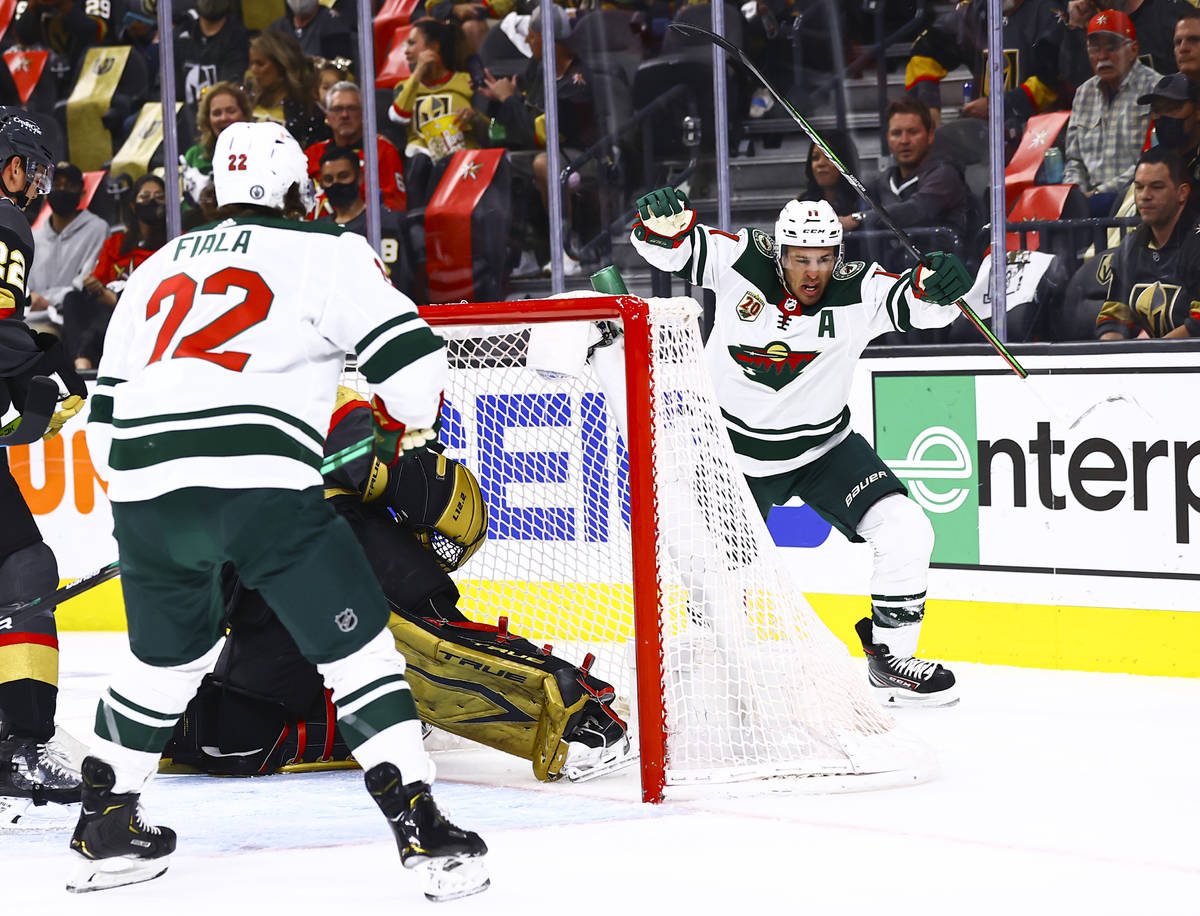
264, 707
792, 318
34, 769
208, 423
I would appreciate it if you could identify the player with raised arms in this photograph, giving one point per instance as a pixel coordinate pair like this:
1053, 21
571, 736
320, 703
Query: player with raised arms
792, 318
208, 422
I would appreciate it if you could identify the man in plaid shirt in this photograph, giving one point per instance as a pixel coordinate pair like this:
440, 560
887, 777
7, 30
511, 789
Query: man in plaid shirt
1108, 129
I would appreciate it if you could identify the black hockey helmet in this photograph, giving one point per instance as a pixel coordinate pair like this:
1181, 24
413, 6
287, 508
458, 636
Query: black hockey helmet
21, 136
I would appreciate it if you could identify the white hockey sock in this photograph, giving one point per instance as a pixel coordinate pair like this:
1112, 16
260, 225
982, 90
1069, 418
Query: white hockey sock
902, 539
138, 711
375, 708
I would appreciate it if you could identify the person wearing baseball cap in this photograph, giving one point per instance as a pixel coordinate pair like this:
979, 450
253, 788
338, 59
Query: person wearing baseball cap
1108, 124
67, 245
1175, 107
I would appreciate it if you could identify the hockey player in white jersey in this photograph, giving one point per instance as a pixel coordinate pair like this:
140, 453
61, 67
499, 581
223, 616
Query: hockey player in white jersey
208, 421
792, 318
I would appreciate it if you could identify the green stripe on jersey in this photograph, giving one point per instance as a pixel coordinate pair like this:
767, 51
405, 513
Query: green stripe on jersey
383, 712
224, 412
209, 442
781, 450
101, 410
897, 305
112, 725
383, 329
399, 352
367, 688
801, 428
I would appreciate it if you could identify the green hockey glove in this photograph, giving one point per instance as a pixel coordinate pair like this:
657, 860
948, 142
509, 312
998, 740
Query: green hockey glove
944, 280
664, 218
392, 438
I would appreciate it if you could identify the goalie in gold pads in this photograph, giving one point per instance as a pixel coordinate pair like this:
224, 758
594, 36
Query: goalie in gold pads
264, 708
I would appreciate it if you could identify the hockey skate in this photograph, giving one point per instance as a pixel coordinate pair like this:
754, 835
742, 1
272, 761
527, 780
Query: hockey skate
597, 745
449, 859
118, 847
904, 680
31, 775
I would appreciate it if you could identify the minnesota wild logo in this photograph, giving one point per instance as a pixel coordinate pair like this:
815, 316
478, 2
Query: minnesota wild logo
773, 365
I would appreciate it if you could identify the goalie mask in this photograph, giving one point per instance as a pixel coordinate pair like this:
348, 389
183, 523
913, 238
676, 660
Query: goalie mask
807, 224
440, 500
257, 164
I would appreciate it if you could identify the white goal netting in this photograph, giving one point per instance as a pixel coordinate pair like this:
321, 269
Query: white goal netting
751, 683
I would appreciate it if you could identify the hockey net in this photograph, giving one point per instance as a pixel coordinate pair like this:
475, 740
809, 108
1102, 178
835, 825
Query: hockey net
652, 557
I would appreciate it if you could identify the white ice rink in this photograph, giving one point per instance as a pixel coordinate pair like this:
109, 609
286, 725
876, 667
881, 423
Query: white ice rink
1059, 793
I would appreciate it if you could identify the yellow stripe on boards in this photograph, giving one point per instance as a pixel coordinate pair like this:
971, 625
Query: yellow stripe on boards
98, 609
1125, 640
1026, 635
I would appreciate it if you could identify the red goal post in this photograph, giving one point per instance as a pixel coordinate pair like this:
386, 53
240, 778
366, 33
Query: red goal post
612, 528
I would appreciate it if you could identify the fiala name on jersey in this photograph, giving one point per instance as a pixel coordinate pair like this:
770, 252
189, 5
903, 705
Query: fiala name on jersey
774, 365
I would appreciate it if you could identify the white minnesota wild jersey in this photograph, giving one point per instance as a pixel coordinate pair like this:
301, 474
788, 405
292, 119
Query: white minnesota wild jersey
222, 359
782, 371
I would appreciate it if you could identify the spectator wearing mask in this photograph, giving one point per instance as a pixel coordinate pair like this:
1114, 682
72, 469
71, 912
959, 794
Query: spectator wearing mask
320, 32
86, 312
1108, 128
343, 114
210, 47
1154, 276
67, 245
1175, 106
282, 87
341, 180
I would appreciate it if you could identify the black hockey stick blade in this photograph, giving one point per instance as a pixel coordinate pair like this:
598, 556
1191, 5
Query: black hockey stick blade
35, 418
11, 613
695, 31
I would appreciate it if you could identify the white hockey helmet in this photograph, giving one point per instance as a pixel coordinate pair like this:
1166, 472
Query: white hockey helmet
807, 224
257, 163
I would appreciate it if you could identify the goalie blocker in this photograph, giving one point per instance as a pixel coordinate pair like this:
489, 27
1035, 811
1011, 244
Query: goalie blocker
265, 709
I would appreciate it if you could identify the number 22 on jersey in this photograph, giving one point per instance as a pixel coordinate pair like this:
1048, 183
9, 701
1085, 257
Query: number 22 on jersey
181, 289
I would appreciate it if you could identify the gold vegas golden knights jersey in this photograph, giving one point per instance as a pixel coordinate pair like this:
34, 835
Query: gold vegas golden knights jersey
222, 359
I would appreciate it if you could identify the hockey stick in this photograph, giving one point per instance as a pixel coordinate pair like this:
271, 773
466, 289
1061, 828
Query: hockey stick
347, 454
9, 612
35, 418
696, 31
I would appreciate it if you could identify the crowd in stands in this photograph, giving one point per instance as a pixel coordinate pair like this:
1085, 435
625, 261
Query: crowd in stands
468, 76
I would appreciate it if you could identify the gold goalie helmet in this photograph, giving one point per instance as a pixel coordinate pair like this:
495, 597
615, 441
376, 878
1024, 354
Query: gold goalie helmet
439, 499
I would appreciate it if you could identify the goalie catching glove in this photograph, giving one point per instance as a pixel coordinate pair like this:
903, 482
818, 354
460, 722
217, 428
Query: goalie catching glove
942, 279
665, 217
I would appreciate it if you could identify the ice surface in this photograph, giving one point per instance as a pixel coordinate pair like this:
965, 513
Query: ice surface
1059, 792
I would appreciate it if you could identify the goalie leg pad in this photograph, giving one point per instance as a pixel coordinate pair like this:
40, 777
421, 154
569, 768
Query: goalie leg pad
484, 684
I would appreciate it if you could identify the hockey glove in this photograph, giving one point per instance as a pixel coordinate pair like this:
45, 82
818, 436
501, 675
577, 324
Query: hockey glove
943, 279
392, 438
71, 406
664, 218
